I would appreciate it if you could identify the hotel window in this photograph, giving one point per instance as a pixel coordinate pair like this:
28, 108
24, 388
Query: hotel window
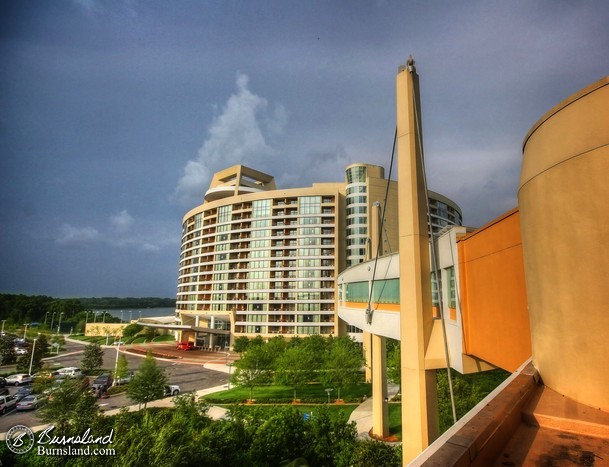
310, 204
198, 221
435, 293
224, 214
357, 292
261, 208
452, 287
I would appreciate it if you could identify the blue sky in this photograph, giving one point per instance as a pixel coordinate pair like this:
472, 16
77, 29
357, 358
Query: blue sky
114, 114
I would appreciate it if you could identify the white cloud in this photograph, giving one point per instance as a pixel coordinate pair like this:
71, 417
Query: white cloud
70, 235
122, 222
149, 236
239, 135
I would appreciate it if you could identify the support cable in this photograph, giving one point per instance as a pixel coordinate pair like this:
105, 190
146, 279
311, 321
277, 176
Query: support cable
434, 257
369, 310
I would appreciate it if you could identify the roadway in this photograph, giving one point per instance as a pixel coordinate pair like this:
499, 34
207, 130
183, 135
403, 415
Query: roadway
182, 368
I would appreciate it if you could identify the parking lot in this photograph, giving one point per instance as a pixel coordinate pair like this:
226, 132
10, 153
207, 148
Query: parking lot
184, 368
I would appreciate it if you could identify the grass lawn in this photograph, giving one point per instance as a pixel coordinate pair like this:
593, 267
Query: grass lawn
395, 420
267, 410
165, 338
283, 394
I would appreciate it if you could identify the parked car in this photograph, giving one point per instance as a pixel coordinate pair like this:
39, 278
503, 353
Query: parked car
101, 384
20, 351
125, 379
19, 379
7, 403
185, 346
172, 390
69, 372
23, 392
46, 374
4, 392
30, 402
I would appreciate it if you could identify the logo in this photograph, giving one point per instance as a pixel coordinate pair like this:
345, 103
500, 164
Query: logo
20, 439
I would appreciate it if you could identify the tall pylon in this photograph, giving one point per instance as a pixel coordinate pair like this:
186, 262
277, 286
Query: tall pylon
420, 424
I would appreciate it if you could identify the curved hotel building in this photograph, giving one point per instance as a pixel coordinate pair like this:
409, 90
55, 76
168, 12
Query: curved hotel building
258, 260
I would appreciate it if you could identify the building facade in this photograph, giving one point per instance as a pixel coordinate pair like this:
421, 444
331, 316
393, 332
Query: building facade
257, 260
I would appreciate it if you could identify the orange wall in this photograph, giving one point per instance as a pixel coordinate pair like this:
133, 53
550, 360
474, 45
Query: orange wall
493, 293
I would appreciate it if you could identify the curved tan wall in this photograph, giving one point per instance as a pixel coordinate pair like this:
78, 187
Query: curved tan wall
564, 209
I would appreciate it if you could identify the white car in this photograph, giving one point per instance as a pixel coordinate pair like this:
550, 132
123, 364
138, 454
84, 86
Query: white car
7, 403
20, 351
69, 372
18, 379
172, 390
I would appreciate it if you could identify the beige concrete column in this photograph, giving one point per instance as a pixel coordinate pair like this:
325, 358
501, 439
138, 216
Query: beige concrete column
380, 415
367, 345
564, 189
419, 398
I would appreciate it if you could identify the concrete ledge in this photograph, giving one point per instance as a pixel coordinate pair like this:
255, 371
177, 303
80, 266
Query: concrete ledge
478, 437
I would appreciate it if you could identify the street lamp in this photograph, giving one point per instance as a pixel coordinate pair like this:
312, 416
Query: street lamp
3, 321
118, 345
59, 325
32, 357
328, 391
130, 317
46, 315
25, 332
230, 365
140, 315
52, 319
121, 316
104, 316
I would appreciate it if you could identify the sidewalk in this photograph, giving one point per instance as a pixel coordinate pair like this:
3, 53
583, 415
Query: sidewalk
362, 415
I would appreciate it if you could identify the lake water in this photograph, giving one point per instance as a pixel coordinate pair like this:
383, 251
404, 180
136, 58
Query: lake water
145, 313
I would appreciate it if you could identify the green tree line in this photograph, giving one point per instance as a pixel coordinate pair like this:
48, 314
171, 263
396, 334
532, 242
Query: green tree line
19, 309
186, 436
335, 362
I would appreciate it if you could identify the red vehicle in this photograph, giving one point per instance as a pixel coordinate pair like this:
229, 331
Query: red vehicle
186, 346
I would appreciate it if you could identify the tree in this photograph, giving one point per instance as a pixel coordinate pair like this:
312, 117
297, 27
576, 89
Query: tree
122, 367
240, 344
93, 358
280, 438
69, 403
343, 363
253, 368
40, 349
149, 382
296, 367
394, 367
132, 329
7, 350
369, 452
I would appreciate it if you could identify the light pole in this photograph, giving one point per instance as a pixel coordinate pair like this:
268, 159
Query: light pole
87, 317
46, 315
104, 316
32, 357
328, 391
130, 317
25, 332
94, 316
121, 316
59, 325
52, 319
140, 315
230, 365
3, 321
118, 345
